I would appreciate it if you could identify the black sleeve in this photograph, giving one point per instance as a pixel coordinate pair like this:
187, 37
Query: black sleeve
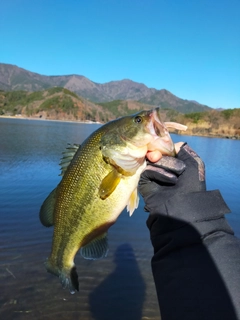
196, 262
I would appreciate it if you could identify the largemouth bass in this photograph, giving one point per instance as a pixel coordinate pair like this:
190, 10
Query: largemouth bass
100, 179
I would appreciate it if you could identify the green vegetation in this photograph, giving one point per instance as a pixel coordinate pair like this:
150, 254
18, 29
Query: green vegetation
195, 116
118, 108
165, 105
13, 101
112, 106
54, 90
14, 98
70, 93
102, 117
172, 115
228, 113
59, 103
62, 104
54, 103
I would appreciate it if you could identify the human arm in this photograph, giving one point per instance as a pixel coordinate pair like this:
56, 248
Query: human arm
196, 262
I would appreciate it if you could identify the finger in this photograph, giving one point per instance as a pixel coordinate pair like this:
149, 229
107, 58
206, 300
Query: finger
154, 156
191, 158
170, 164
159, 175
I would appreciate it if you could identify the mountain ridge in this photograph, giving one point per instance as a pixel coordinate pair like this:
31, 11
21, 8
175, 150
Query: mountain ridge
14, 78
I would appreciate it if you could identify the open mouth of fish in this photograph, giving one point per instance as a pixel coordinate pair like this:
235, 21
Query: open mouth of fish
156, 126
159, 131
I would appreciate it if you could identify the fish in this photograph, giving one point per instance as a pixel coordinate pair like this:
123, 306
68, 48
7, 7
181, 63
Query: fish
99, 179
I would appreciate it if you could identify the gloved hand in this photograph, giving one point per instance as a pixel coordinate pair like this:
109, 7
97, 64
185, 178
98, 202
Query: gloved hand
157, 185
182, 212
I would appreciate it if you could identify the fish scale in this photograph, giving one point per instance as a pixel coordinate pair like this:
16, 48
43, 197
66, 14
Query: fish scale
78, 177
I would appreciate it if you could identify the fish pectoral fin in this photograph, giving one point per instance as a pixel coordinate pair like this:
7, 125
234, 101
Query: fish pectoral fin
96, 249
133, 202
47, 208
109, 184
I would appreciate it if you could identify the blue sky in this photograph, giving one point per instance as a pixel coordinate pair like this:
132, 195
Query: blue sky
189, 47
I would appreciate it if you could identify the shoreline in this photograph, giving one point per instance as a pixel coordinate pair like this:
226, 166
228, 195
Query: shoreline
210, 136
229, 137
54, 120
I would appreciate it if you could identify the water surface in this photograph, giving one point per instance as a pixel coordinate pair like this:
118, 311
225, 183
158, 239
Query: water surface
118, 287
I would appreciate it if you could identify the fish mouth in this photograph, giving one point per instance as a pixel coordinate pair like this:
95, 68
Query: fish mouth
161, 137
158, 125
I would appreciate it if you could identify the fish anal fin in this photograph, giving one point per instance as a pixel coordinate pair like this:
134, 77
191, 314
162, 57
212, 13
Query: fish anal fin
47, 208
109, 184
96, 249
133, 202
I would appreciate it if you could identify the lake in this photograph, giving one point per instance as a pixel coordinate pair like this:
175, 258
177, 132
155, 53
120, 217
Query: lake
117, 287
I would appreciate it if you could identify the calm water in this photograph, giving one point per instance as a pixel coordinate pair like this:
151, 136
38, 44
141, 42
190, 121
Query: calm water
118, 287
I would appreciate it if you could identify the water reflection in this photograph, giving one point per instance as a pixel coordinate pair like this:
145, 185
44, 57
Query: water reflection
120, 286
121, 295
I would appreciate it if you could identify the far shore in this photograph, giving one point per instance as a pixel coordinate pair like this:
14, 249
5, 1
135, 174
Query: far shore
20, 117
44, 119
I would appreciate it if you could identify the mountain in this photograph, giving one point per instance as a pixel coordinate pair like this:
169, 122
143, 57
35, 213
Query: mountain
13, 78
59, 103
53, 104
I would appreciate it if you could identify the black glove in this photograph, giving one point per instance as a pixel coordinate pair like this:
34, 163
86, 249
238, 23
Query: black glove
183, 174
167, 169
175, 204
190, 237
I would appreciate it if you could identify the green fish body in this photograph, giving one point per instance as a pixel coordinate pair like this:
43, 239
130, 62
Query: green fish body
98, 183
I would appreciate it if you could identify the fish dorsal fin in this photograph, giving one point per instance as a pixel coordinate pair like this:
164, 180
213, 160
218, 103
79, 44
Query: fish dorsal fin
47, 208
109, 184
133, 202
96, 249
68, 155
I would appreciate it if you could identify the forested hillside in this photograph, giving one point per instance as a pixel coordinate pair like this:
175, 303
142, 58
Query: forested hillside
61, 104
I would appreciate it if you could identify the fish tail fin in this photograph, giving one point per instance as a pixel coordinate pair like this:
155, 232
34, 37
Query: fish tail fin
68, 277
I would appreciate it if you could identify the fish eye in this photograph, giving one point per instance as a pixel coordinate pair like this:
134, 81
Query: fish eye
138, 119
